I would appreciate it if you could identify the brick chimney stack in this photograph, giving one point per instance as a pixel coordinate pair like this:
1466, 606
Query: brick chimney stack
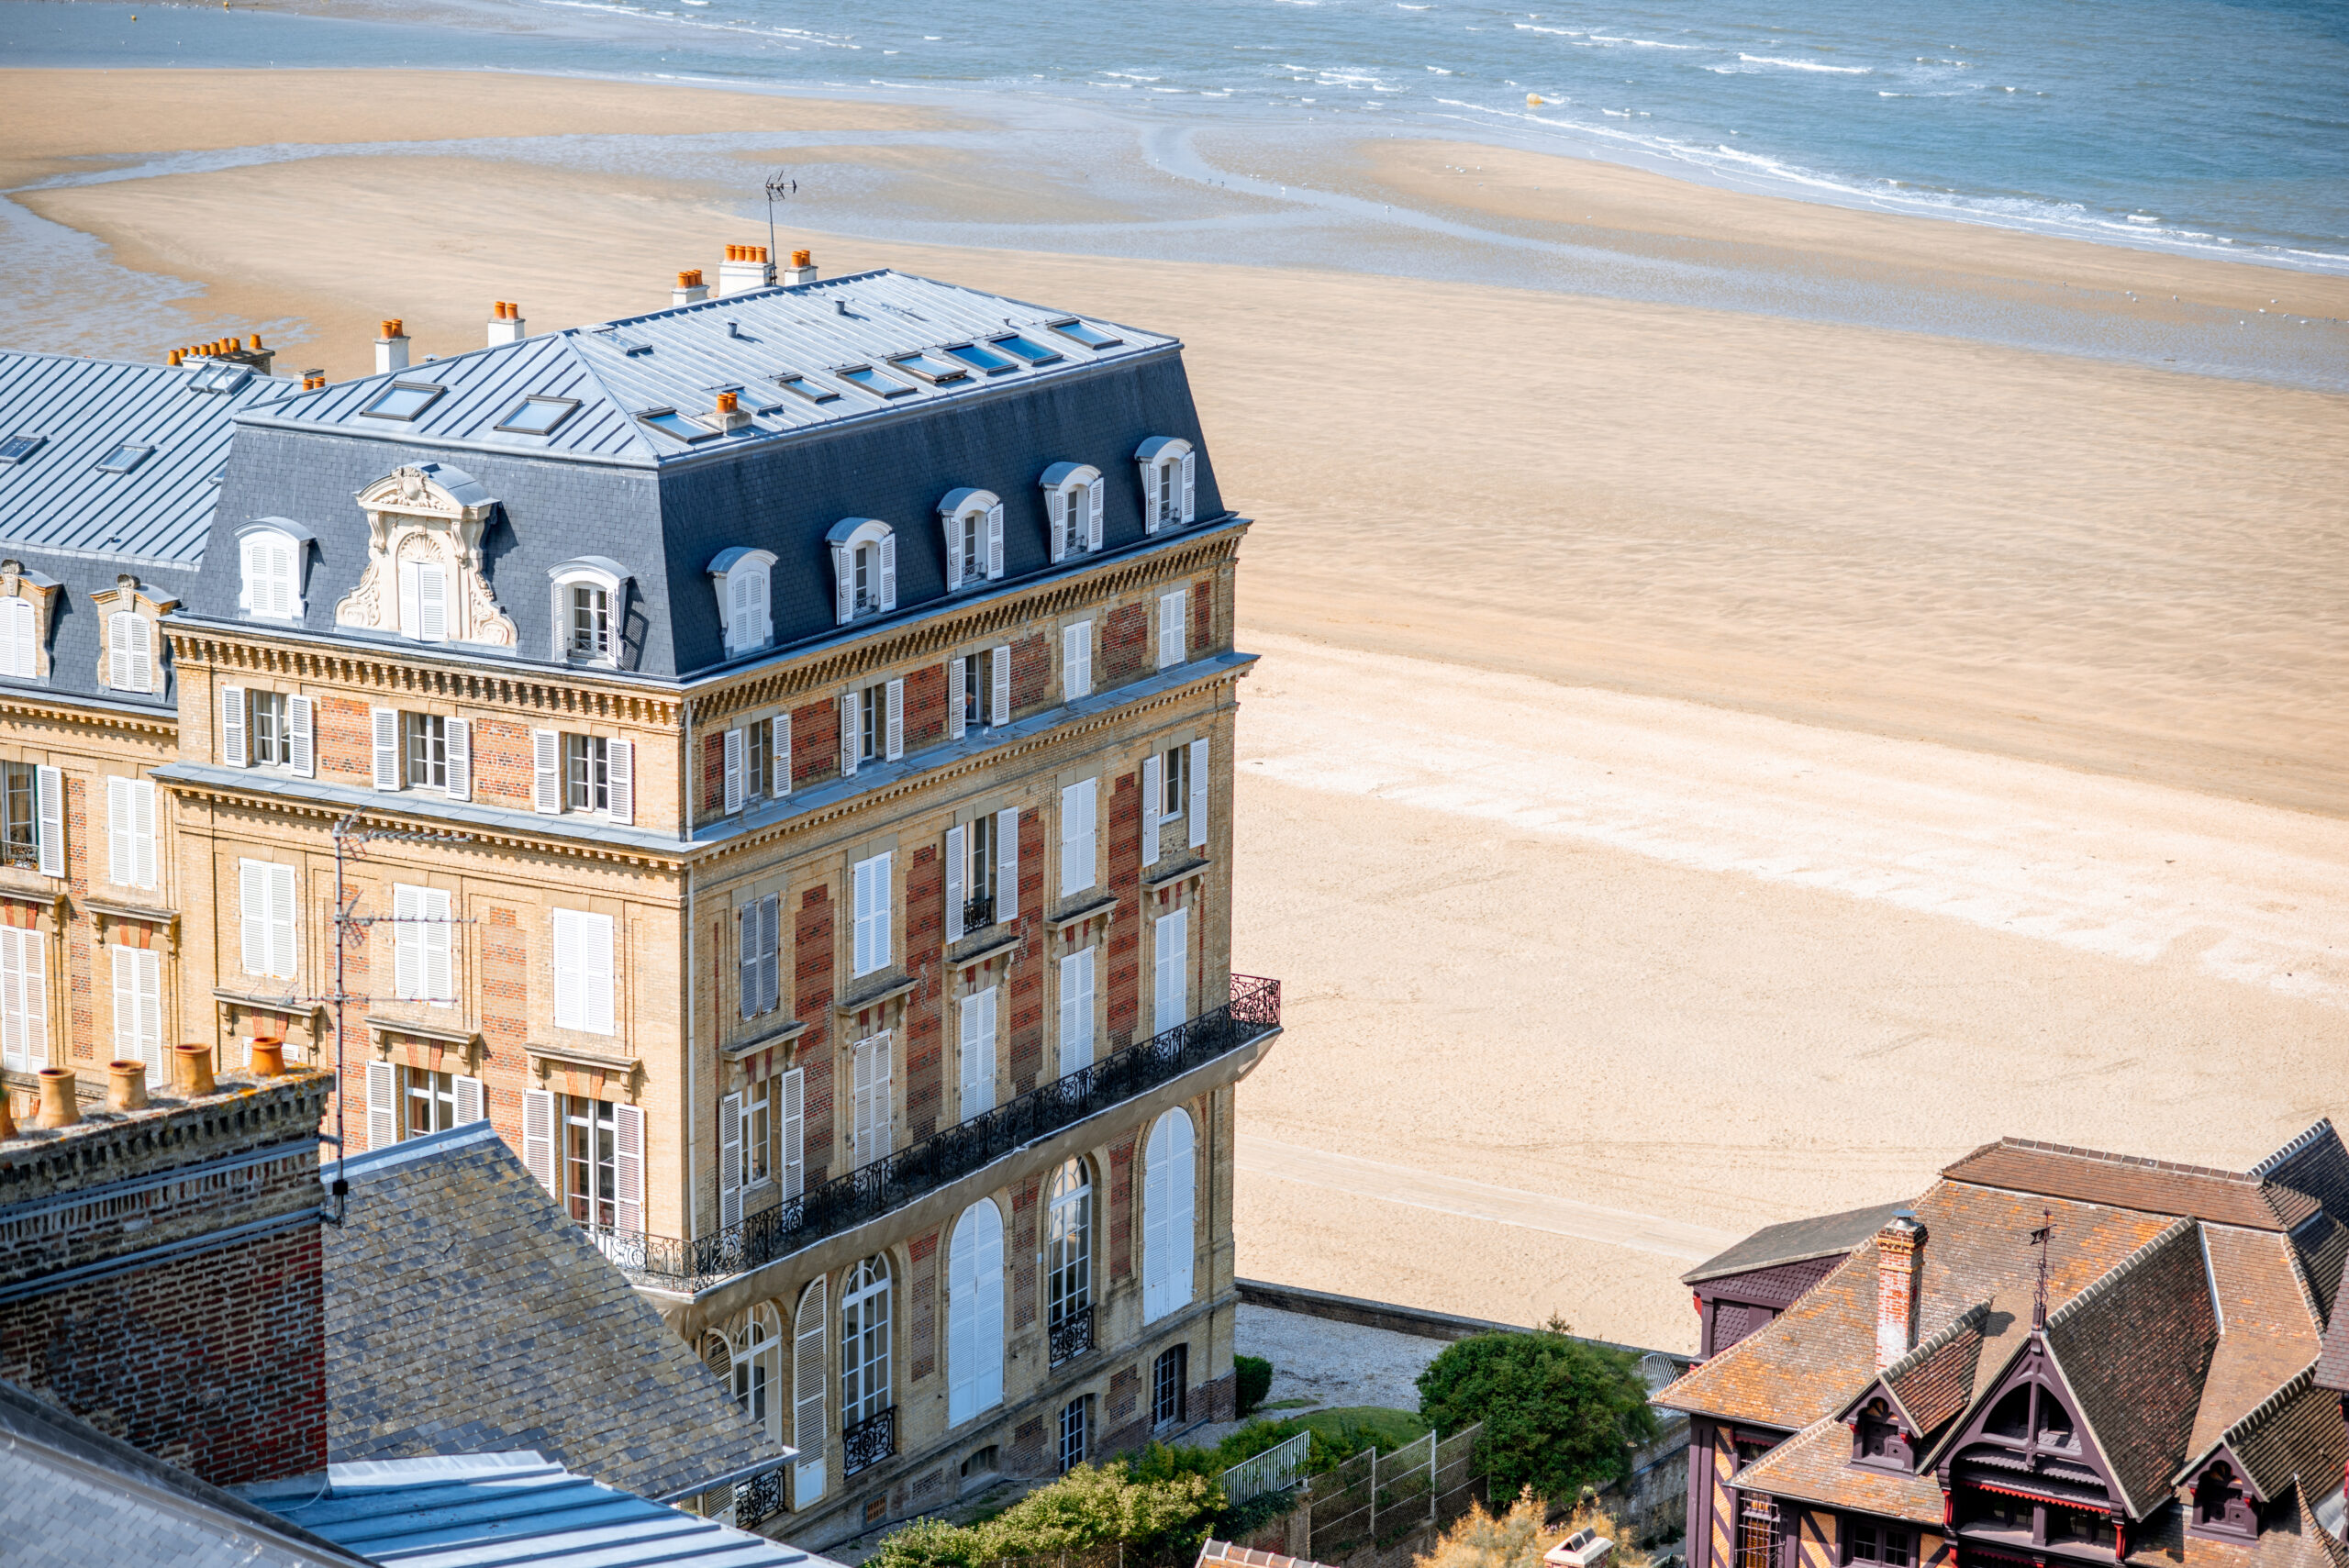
1896, 1287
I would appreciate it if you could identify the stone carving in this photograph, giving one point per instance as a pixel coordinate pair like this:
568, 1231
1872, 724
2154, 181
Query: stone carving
431, 515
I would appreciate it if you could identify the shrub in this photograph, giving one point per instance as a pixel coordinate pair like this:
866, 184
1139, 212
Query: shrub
1559, 1414
1478, 1539
1254, 1377
1087, 1508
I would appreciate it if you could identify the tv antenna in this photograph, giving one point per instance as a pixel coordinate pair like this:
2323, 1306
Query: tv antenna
2041, 1239
780, 187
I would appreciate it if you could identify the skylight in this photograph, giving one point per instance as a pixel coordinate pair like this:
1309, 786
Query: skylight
873, 380
669, 422
814, 391
538, 415
1028, 349
220, 378
985, 360
125, 458
404, 400
1085, 332
16, 448
928, 367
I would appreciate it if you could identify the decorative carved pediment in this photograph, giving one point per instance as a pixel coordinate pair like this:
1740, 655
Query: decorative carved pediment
427, 518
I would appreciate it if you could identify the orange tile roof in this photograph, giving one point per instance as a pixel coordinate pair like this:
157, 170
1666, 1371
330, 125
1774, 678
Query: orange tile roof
1815, 1466
2125, 1180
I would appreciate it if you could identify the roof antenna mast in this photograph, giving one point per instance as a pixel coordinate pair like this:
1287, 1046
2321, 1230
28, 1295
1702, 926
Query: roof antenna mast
779, 188
2039, 1238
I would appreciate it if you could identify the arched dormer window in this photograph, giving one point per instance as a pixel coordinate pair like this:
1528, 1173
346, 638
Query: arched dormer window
271, 557
864, 567
2224, 1506
972, 521
1073, 493
745, 581
590, 602
1169, 482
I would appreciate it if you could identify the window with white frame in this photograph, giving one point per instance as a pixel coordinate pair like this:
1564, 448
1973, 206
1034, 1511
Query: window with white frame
1169, 470
757, 1369
20, 639
269, 560
977, 1062
24, 998
1076, 1011
966, 688
872, 1131
130, 651
758, 1133
138, 1006
972, 523
266, 917
871, 891
873, 724
1168, 1238
412, 1102
273, 730
1175, 787
130, 832
19, 812
583, 970
590, 598
424, 600
975, 1313
591, 1160
865, 1341
1068, 1244
1077, 661
423, 945
761, 923
981, 874
744, 579
757, 762
1078, 853
864, 567
1174, 631
1074, 494
582, 773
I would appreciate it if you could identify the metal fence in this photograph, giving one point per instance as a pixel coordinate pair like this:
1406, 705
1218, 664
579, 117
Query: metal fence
1376, 1499
1274, 1469
874, 1190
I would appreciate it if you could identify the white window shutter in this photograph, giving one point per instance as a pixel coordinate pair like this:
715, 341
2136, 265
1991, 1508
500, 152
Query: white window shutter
1096, 495
995, 540
383, 1105
848, 731
1150, 497
432, 604
1056, 510
729, 1160
473, 1099
781, 747
301, 725
232, 726
955, 698
953, 524
1170, 967
771, 953
1198, 802
1171, 613
142, 654
888, 572
23, 642
409, 616
252, 916
1190, 487
885, 888
843, 584
570, 1004
24, 998
1076, 838
142, 833
999, 710
546, 771
408, 943
125, 1002
619, 775
385, 727
1007, 864
49, 790
439, 948
746, 938
597, 973
627, 1167
537, 1135
736, 750
583, 970
1076, 1011
118, 651
761, 607
792, 1096
1152, 782
118, 831
893, 738
282, 916
459, 740
955, 895
810, 1373
1154, 1251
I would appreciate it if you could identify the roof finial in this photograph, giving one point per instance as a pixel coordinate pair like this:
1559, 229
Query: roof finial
2039, 1239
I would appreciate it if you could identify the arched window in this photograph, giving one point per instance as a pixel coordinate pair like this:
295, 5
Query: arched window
864, 567
756, 1368
1073, 493
590, 598
810, 1433
865, 1341
972, 522
269, 556
744, 579
1168, 1240
1169, 482
1068, 1260
975, 1313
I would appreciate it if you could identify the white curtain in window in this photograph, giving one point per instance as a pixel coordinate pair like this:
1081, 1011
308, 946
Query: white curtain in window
975, 1313
1168, 1240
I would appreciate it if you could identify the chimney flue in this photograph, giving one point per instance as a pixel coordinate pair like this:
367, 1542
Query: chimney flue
125, 1085
1896, 1287
269, 1056
391, 348
506, 324
58, 1106
746, 267
192, 1071
802, 268
690, 289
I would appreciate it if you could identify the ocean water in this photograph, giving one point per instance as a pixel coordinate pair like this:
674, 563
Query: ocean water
2209, 126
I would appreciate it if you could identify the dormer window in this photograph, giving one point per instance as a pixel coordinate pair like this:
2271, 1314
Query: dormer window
972, 523
1877, 1439
590, 600
864, 567
2222, 1505
1169, 482
745, 597
270, 557
590, 621
1073, 494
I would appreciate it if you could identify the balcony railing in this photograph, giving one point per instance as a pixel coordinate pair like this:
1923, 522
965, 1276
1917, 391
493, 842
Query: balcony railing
869, 1441
871, 1191
978, 914
1073, 1335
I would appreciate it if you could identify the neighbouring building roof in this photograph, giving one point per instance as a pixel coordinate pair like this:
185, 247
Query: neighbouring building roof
1226, 1554
465, 1511
75, 1496
466, 1313
1795, 1241
2123, 1181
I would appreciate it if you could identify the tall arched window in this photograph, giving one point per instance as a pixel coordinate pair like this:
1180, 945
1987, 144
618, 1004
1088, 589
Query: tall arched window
757, 1368
972, 521
1068, 1260
865, 1341
745, 597
1167, 1233
590, 603
810, 1433
975, 1313
1073, 493
864, 567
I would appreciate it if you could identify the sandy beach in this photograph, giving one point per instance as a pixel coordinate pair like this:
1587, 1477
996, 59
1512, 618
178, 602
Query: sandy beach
1706, 765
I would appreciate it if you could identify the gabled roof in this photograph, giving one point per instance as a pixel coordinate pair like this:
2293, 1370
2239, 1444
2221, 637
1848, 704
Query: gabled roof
2124, 1181
1815, 1465
2269, 1332
680, 359
2296, 1432
1934, 1382
58, 498
1795, 1241
466, 1313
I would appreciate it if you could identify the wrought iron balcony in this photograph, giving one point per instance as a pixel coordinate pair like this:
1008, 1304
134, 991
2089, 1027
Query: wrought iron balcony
978, 914
1073, 1335
869, 1441
871, 1191
760, 1498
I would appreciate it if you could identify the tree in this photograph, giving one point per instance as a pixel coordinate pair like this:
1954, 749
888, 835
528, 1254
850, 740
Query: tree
1478, 1539
1164, 1517
1559, 1414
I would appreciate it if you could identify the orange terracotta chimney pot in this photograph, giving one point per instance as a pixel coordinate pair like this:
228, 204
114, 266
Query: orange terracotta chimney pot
392, 328
725, 403
256, 339
57, 1105
125, 1085
269, 1057
192, 1071
803, 258
172, 358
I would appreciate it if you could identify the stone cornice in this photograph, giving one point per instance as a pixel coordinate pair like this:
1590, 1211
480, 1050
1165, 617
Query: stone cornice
97, 715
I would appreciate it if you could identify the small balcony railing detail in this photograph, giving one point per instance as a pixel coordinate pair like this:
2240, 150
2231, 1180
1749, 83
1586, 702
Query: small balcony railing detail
869, 1441
1073, 1335
978, 912
873, 1190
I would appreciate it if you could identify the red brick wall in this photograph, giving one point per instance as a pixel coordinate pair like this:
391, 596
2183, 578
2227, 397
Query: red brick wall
215, 1363
1026, 1455
1124, 999
505, 1018
1125, 644
345, 743
926, 707
815, 743
1025, 1005
812, 996
713, 771
1121, 1209
1202, 632
502, 766
1023, 1272
1031, 673
81, 935
925, 933
922, 1333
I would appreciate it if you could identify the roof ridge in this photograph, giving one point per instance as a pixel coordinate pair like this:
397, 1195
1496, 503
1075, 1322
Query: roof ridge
2141, 1162
2114, 1277
1972, 1316
2275, 1162
2259, 1414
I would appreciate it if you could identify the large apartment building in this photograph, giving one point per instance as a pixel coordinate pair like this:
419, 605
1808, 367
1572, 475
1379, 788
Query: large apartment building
798, 727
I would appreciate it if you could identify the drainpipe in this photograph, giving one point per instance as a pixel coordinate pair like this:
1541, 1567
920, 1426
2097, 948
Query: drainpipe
693, 1098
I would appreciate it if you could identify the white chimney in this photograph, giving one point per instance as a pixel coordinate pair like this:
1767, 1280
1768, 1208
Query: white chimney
1896, 1287
690, 289
802, 268
506, 325
391, 348
746, 267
